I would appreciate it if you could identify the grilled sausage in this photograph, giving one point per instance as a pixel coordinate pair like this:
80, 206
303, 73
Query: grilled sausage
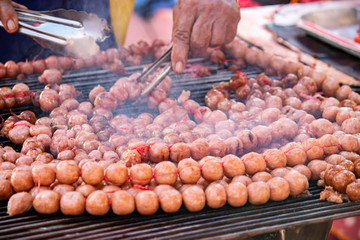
116, 174
67, 172
298, 183
170, 200
72, 203
85, 189
47, 202
122, 203
279, 189
233, 166
353, 190
165, 173
21, 179
43, 174
146, 202
194, 198
253, 162
92, 173
215, 195
141, 174
258, 192
97, 203
189, 171
211, 168
237, 194
275, 158
6, 190
19, 203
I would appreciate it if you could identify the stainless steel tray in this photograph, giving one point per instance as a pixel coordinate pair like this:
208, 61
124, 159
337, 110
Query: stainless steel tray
337, 27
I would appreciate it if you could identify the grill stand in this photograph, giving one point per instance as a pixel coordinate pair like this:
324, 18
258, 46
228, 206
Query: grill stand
312, 231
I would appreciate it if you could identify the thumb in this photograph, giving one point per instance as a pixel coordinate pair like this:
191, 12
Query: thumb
8, 16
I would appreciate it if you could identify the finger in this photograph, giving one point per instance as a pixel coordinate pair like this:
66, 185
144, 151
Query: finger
230, 33
231, 27
8, 16
200, 36
17, 5
183, 21
218, 33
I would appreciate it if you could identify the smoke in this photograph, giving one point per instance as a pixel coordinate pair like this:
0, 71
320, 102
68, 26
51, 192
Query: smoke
101, 9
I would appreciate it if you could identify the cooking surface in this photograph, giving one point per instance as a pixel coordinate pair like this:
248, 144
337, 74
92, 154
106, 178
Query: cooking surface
226, 222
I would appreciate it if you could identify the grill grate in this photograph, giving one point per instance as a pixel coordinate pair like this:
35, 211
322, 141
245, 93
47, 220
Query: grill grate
226, 222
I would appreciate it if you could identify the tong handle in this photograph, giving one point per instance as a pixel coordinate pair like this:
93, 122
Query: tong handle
38, 17
31, 31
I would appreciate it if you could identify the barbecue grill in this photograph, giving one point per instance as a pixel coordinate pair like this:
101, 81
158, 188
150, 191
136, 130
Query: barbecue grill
295, 218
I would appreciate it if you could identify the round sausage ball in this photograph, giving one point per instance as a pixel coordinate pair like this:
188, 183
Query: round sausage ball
189, 171
170, 200
353, 190
97, 203
194, 198
211, 168
92, 173
116, 173
122, 203
5, 189
298, 182
321, 126
67, 172
275, 158
141, 174
165, 173
316, 167
215, 195
237, 194
47, 202
43, 174
254, 162
146, 202
233, 166
72, 203
258, 192
279, 189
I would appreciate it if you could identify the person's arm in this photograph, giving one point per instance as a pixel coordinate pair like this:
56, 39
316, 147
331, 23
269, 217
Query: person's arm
8, 15
199, 24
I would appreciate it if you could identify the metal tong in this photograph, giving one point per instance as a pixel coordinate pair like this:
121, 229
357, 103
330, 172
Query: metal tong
59, 28
160, 76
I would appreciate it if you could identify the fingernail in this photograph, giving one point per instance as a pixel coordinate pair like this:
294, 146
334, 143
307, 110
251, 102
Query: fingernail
10, 25
179, 67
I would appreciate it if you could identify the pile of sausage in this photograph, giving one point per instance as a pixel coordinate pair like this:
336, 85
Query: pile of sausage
128, 89
112, 59
265, 144
143, 187
18, 95
50, 69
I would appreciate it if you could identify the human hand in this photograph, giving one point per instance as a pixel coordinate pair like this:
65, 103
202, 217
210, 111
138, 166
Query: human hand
199, 24
8, 15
